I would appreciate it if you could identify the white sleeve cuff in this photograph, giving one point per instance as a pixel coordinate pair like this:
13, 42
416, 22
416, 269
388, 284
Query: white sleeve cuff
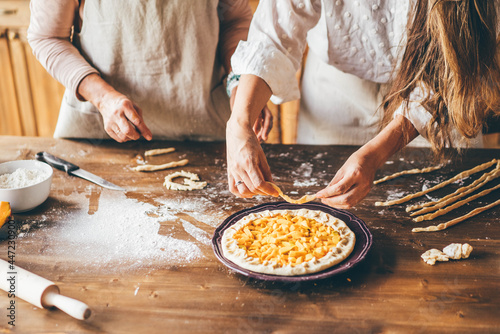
270, 64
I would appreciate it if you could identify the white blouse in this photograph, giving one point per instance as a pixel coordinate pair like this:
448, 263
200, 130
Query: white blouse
363, 38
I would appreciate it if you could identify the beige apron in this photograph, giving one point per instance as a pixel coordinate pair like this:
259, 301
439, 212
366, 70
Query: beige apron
162, 54
338, 108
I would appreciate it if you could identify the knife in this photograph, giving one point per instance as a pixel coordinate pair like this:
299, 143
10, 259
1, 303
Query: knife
72, 169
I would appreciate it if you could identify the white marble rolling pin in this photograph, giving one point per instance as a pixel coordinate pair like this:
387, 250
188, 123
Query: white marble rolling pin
39, 291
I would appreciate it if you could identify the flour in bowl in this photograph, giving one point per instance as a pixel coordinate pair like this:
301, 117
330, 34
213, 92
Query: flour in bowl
22, 177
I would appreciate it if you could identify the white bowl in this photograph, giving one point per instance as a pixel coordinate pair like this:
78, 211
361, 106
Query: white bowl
26, 198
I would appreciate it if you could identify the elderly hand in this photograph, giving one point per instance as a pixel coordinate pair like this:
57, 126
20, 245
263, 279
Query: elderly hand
122, 118
263, 124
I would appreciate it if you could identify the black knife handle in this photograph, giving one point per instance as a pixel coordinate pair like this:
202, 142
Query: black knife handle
56, 162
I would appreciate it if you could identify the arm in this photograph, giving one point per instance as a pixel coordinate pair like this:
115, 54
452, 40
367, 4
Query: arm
49, 36
354, 180
235, 17
246, 160
267, 62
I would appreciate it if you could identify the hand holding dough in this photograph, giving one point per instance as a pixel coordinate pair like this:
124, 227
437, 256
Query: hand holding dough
302, 200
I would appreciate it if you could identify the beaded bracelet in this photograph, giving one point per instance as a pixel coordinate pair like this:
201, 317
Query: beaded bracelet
232, 81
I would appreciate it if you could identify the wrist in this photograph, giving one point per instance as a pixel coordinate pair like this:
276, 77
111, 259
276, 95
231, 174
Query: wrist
95, 90
232, 81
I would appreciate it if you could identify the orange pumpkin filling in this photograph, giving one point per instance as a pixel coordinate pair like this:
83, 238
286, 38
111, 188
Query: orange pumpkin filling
286, 239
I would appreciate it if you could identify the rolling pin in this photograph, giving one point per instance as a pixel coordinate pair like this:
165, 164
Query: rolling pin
39, 291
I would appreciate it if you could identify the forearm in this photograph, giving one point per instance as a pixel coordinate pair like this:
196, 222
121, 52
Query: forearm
236, 16
93, 88
396, 135
49, 37
252, 97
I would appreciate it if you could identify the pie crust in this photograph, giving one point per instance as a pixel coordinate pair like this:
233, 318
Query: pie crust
236, 252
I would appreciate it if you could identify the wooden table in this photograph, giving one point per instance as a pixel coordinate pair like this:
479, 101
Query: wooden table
392, 291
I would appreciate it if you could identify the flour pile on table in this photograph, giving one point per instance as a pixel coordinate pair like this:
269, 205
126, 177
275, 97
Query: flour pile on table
122, 231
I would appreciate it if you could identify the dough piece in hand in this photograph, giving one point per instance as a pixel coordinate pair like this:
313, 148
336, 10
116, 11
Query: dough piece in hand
433, 255
408, 172
191, 181
159, 151
302, 200
457, 220
457, 177
153, 168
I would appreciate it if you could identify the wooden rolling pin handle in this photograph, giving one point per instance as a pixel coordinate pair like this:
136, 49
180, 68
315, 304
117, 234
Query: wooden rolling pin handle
70, 306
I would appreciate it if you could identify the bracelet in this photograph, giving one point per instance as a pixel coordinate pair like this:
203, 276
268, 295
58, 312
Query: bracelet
232, 81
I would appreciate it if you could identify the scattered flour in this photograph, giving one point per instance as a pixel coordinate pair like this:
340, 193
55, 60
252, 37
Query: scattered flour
393, 195
22, 177
304, 171
306, 183
121, 234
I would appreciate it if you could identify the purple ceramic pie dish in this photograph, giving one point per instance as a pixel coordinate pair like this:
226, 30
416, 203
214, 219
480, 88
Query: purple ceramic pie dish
363, 244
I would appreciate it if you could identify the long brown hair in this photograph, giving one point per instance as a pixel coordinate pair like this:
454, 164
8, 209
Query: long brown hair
452, 55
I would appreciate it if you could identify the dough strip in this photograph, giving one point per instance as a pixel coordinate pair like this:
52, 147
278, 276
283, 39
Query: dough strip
302, 200
457, 220
458, 191
444, 211
440, 185
408, 172
159, 151
152, 168
487, 177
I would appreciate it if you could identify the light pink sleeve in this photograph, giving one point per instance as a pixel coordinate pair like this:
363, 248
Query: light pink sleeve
235, 17
49, 37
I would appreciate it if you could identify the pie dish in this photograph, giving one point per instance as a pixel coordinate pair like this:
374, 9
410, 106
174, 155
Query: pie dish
345, 223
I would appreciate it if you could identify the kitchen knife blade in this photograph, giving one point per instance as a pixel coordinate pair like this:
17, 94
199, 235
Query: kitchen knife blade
73, 169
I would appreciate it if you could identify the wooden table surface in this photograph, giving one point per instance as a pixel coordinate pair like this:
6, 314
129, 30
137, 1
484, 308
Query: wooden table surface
392, 291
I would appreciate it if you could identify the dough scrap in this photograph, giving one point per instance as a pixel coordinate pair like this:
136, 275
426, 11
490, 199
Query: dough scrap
159, 151
457, 220
191, 181
408, 172
459, 193
444, 211
302, 200
433, 255
440, 185
287, 243
152, 168
452, 251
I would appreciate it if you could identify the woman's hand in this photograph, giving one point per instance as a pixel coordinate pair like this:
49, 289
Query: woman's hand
263, 124
247, 167
354, 179
351, 183
122, 118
